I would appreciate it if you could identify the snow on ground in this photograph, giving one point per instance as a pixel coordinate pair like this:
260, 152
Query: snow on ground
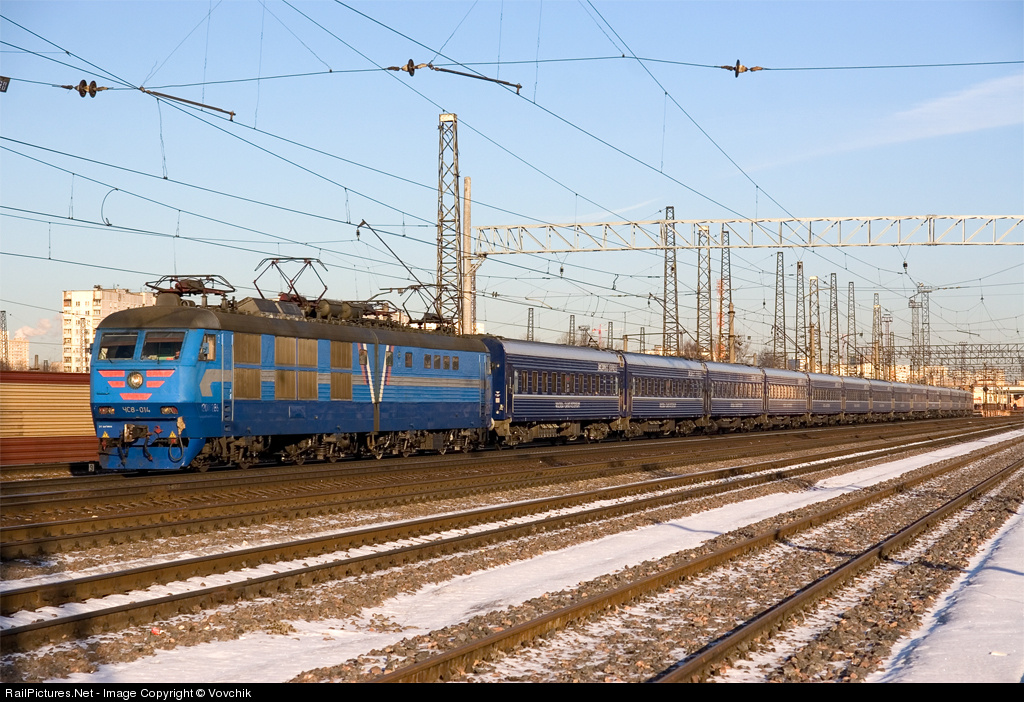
275, 658
976, 632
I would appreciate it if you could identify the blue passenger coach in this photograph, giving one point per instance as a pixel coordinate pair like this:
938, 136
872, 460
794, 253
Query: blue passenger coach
665, 394
547, 391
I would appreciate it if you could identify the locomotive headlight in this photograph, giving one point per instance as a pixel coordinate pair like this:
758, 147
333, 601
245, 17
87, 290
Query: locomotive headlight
135, 380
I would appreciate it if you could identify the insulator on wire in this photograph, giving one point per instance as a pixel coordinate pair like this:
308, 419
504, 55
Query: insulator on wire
84, 88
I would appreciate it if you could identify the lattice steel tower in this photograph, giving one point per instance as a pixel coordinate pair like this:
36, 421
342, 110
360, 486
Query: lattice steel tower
800, 338
814, 340
926, 325
876, 340
725, 300
704, 291
833, 326
448, 303
529, 326
670, 327
779, 330
915, 338
851, 329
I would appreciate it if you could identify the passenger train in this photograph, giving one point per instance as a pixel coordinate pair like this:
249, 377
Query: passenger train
181, 386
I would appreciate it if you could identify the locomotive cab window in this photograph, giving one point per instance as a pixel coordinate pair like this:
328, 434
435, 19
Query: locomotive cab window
161, 345
115, 347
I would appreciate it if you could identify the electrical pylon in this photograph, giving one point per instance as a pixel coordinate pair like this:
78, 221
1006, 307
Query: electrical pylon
814, 341
851, 329
779, 330
448, 303
833, 326
725, 299
800, 338
670, 327
704, 291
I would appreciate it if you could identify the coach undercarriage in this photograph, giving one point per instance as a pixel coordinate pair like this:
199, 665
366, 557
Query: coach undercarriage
509, 434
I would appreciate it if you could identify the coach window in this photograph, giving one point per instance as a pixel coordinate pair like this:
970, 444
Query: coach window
437, 362
208, 352
362, 357
447, 362
535, 386
455, 362
389, 358
408, 359
426, 360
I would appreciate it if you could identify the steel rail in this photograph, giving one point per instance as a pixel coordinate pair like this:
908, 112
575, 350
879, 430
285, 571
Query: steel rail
702, 664
27, 636
49, 489
19, 541
458, 661
530, 477
25, 540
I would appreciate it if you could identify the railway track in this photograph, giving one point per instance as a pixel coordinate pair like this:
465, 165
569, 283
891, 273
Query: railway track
363, 550
442, 534
93, 530
47, 521
686, 593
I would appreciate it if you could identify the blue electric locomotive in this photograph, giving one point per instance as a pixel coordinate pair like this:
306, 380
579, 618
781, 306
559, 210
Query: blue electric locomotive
176, 385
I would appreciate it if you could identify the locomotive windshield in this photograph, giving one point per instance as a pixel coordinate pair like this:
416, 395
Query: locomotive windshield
162, 345
117, 345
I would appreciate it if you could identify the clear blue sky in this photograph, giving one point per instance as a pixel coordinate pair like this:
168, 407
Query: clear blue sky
346, 141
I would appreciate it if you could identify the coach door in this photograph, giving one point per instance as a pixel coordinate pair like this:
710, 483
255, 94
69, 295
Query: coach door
485, 389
